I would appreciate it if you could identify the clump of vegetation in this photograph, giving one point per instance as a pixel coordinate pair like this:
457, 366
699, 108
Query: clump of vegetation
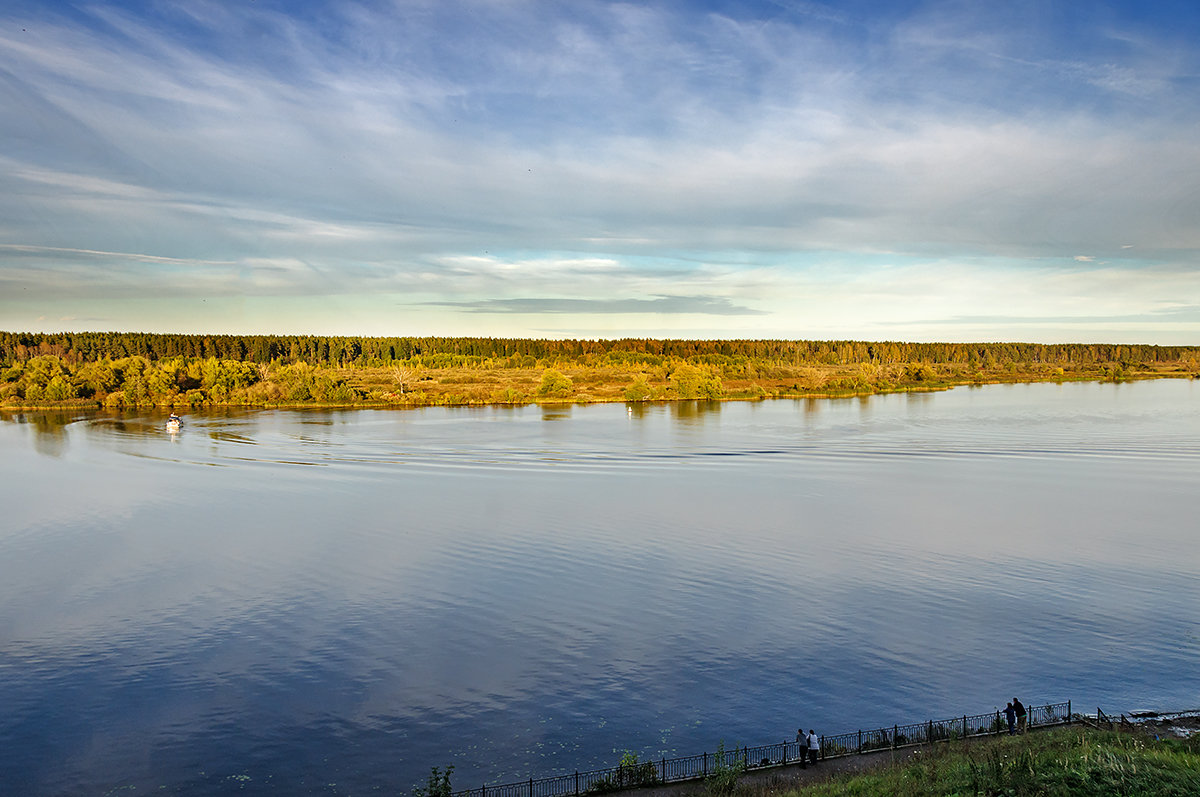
630, 774
691, 381
437, 785
555, 384
639, 390
727, 771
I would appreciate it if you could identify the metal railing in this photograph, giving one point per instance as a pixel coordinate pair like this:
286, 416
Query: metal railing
695, 767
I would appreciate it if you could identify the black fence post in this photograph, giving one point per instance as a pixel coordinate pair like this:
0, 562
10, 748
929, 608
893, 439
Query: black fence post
895, 731
1069, 715
929, 733
664, 769
821, 750
531, 787
706, 764
964, 726
577, 781
859, 741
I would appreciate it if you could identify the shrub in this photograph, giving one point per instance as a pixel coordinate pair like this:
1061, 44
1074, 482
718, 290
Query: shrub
630, 774
639, 390
727, 769
692, 382
555, 384
438, 784
510, 395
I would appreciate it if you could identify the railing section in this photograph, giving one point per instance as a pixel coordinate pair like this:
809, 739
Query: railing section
669, 770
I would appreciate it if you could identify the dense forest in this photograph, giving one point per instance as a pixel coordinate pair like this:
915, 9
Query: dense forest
79, 347
126, 369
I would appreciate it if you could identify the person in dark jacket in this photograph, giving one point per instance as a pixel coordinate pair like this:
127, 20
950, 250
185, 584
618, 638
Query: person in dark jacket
1021, 714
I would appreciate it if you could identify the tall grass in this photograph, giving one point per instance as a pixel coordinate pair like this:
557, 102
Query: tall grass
1068, 761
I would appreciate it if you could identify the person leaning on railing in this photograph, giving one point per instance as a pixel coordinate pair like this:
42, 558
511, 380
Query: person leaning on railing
814, 746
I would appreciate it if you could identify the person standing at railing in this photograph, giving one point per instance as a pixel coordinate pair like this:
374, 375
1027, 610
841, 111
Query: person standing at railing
1021, 714
802, 746
814, 746
1010, 714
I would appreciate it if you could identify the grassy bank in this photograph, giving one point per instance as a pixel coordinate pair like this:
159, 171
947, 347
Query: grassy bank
1066, 761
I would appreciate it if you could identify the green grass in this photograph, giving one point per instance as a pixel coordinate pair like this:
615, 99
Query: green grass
1067, 761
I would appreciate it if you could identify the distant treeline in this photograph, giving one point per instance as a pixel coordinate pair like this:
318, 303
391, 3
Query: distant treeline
82, 347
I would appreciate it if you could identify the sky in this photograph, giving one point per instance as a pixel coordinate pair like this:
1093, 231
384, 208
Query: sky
921, 171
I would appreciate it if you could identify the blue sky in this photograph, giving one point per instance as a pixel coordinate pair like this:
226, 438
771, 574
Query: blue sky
905, 171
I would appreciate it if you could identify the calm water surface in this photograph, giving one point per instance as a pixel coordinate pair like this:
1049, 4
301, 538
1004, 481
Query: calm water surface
333, 602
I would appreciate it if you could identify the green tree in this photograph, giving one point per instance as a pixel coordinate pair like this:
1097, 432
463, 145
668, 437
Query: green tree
137, 393
59, 389
690, 381
40, 371
920, 372
638, 390
555, 384
96, 378
13, 373
161, 382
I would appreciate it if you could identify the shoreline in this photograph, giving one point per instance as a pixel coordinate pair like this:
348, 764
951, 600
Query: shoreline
92, 405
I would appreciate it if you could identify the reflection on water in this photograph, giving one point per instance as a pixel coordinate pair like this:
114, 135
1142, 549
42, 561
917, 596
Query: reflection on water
689, 412
50, 438
556, 412
284, 600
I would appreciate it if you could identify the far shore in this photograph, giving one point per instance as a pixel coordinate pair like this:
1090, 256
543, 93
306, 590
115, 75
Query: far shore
474, 394
116, 371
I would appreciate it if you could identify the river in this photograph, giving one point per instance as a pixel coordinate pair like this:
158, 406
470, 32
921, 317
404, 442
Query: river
332, 602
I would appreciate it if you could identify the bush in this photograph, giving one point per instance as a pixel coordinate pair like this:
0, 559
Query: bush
920, 372
510, 395
727, 769
438, 784
630, 774
692, 382
555, 384
639, 390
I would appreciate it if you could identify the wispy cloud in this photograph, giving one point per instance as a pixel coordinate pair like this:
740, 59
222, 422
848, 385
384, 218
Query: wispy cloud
670, 305
1189, 314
